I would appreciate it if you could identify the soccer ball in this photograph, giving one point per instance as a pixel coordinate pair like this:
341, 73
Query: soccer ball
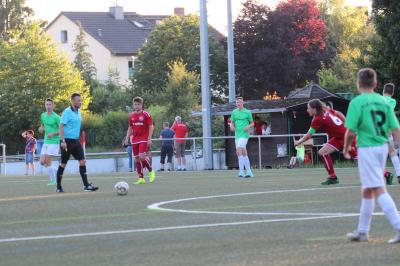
121, 188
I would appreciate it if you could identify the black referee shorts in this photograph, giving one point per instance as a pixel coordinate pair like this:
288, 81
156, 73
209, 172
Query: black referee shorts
74, 148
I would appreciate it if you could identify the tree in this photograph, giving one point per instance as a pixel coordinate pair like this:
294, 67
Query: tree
279, 50
83, 59
31, 70
386, 57
350, 35
181, 92
111, 96
13, 14
177, 38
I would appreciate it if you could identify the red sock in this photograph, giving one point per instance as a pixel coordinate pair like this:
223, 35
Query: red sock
139, 168
328, 163
147, 164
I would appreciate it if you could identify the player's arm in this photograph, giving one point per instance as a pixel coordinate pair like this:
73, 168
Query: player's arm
129, 132
340, 115
61, 133
151, 130
306, 137
396, 135
41, 128
249, 126
348, 140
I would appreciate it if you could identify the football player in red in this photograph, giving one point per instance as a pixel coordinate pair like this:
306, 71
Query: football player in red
141, 130
332, 123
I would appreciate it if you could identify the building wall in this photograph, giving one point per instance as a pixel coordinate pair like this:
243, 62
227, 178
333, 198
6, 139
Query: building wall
101, 56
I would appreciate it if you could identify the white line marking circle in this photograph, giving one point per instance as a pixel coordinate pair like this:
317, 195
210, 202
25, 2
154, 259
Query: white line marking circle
157, 206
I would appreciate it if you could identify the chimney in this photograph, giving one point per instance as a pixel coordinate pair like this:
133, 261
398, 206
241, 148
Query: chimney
117, 12
179, 11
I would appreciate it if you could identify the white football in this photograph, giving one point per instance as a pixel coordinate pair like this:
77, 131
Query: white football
121, 188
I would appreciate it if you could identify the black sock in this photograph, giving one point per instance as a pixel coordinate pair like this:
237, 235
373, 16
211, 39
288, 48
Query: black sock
60, 172
82, 171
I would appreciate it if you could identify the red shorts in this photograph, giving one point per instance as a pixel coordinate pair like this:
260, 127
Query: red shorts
139, 148
339, 143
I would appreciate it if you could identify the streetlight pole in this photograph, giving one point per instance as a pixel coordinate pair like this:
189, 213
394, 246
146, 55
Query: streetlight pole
231, 56
205, 87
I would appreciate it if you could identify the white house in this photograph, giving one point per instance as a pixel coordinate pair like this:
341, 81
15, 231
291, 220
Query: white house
113, 37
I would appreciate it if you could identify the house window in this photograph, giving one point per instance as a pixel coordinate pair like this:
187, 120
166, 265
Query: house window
131, 67
64, 36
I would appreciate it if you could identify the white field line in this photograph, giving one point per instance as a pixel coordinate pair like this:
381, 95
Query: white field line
157, 229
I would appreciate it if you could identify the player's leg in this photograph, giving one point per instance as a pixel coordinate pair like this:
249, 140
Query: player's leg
139, 165
79, 155
246, 159
395, 160
389, 208
65, 154
143, 156
365, 218
325, 155
239, 153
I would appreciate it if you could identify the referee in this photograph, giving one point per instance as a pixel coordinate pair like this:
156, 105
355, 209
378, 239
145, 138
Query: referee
70, 128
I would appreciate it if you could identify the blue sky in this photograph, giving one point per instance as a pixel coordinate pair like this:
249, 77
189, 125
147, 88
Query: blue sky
49, 9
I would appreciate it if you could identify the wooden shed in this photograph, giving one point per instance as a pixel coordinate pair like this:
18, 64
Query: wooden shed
287, 116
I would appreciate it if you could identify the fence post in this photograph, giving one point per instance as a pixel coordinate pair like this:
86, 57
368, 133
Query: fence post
259, 152
195, 154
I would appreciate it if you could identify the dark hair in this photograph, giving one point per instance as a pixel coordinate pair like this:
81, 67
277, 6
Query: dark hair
316, 104
166, 124
366, 78
75, 94
389, 88
48, 100
30, 131
138, 100
265, 124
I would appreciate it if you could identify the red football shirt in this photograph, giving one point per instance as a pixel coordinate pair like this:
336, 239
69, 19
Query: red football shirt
257, 128
330, 124
180, 131
140, 124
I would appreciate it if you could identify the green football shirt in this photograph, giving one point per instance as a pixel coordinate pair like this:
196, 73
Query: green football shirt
371, 117
51, 124
392, 102
241, 119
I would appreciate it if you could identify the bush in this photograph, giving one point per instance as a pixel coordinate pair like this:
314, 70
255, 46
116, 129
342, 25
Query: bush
105, 131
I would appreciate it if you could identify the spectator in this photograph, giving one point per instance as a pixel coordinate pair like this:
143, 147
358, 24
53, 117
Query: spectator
257, 126
181, 131
30, 148
128, 149
266, 130
167, 148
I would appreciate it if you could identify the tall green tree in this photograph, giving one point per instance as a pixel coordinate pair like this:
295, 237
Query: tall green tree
386, 57
177, 38
13, 14
31, 70
181, 91
350, 35
83, 59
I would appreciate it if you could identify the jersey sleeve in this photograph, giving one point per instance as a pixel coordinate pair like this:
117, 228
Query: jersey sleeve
58, 119
149, 119
316, 125
233, 117
352, 117
250, 117
392, 119
64, 117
